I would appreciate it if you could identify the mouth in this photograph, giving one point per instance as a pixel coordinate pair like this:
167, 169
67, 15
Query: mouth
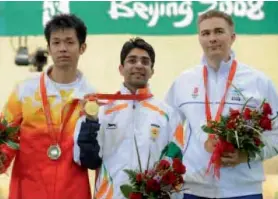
63, 57
137, 74
215, 47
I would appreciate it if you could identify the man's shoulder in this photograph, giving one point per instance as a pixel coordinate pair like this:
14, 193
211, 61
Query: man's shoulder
161, 105
86, 86
27, 83
192, 70
249, 71
191, 73
28, 86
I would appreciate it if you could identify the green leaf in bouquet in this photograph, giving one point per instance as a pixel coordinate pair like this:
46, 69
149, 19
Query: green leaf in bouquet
126, 190
261, 106
2, 142
12, 130
207, 129
138, 154
252, 154
4, 122
222, 124
248, 144
152, 196
238, 91
131, 175
245, 104
237, 139
230, 136
149, 158
12, 144
223, 118
263, 145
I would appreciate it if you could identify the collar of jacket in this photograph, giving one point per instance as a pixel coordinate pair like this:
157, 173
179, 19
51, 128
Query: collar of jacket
82, 87
125, 90
224, 66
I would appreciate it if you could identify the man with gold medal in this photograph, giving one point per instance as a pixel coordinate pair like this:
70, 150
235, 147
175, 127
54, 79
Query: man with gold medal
112, 122
48, 107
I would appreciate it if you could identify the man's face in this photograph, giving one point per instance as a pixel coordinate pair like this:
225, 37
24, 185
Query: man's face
137, 68
216, 37
64, 48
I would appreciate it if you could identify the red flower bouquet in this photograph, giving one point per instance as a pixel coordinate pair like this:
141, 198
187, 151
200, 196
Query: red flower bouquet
8, 133
8, 139
159, 182
241, 130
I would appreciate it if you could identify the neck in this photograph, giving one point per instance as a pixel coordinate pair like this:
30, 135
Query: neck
63, 76
215, 62
130, 88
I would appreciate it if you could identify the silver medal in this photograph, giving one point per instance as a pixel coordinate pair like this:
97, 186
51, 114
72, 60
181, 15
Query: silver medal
54, 152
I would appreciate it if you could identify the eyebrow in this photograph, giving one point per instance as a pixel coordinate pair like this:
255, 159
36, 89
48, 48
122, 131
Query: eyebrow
219, 29
67, 38
207, 30
135, 56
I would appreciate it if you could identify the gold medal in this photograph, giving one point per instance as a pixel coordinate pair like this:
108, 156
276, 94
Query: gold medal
91, 108
54, 152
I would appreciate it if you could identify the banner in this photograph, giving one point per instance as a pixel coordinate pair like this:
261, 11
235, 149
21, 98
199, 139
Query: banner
137, 17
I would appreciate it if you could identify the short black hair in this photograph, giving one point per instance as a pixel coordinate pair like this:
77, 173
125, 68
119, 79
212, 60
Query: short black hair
66, 21
137, 43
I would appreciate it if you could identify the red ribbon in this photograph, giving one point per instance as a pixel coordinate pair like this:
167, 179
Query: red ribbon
117, 96
222, 103
47, 111
221, 147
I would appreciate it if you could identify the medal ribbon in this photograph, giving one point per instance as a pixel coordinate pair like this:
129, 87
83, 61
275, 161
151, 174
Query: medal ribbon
222, 103
117, 96
222, 145
46, 107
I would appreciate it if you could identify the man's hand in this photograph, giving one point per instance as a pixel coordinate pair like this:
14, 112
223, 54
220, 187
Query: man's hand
90, 109
210, 144
233, 159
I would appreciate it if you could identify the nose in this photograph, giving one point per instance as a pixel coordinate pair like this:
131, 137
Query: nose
62, 47
139, 64
212, 38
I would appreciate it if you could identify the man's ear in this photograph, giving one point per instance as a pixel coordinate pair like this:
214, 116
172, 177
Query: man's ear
121, 69
83, 48
152, 72
48, 49
233, 38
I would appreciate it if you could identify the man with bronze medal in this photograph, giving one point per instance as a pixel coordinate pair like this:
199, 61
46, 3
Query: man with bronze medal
48, 106
204, 93
128, 115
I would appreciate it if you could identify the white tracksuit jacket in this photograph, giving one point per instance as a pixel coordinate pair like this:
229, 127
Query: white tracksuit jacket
154, 124
187, 94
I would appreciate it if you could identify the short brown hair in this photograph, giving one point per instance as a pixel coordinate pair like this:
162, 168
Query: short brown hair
216, 13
